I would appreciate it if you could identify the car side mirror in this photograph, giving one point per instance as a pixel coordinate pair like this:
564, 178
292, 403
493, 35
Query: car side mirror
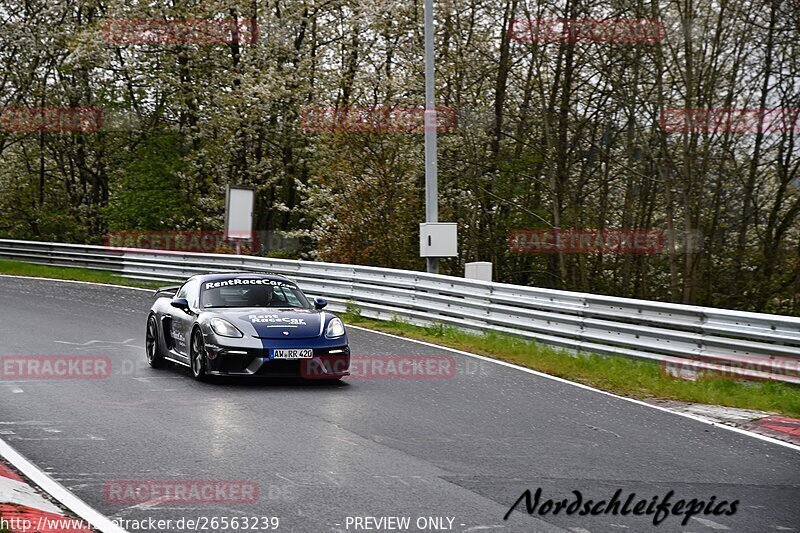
320, 303
180, 303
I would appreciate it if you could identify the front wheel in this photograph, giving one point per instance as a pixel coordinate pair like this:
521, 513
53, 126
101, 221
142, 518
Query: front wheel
151, 345
198, 356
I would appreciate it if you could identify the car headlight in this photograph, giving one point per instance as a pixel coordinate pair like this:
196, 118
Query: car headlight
335, 328
225, 328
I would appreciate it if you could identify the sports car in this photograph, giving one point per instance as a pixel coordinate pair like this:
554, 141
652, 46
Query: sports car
245, 324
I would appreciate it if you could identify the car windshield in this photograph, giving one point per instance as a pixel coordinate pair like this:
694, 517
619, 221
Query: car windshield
240, 292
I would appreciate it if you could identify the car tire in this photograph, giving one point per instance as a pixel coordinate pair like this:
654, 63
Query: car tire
152, 346
197, 359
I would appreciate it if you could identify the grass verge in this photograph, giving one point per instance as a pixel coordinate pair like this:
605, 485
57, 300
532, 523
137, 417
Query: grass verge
19, 268
620, 375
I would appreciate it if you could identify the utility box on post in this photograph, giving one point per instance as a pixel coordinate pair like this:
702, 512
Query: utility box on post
438, 239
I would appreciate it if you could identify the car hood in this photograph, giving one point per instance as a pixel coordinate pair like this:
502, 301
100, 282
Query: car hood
275, 323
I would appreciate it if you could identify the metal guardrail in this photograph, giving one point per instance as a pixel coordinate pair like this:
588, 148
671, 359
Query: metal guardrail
681, 337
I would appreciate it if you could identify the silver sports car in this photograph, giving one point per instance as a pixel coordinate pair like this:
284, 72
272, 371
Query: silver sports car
246, 324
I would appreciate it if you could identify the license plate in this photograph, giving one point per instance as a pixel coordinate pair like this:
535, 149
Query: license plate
305, 353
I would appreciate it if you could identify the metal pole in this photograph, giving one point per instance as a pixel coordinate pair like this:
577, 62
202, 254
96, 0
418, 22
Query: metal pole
431, 177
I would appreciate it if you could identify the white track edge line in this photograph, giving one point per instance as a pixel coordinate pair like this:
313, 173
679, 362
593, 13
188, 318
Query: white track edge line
509, 365
55, 489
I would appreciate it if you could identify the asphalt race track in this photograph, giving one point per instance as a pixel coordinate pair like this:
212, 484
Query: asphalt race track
462, 447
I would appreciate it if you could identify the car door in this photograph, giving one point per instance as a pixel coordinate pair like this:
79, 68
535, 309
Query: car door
181, 321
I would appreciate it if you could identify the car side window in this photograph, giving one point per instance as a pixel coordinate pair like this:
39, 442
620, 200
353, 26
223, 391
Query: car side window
193, 294
183, 290
190, 293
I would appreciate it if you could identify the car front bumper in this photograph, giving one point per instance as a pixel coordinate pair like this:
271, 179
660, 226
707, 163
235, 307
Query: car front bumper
329, 361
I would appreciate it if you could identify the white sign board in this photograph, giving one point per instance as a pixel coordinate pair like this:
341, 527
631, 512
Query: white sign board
239, 212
